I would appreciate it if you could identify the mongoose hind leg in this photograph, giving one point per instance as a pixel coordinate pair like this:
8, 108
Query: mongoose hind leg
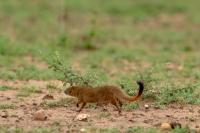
115, 103
120, 102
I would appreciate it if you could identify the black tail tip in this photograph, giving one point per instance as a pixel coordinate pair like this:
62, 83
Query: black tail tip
141, 86
140, 82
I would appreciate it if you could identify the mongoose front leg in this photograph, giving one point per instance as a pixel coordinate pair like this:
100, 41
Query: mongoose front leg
77, 104
83, 105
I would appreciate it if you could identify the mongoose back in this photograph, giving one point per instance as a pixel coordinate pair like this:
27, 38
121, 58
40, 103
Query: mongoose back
102, 95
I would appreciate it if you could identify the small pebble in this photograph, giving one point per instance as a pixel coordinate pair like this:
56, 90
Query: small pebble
8, 98
40, 115
17, 120
82, 117
4, 115
165, 126
146, 106
34, 104
82, 129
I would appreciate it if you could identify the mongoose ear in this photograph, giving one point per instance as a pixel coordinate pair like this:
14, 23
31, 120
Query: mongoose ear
71, 84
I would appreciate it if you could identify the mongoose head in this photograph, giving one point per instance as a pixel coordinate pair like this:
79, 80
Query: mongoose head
70, 91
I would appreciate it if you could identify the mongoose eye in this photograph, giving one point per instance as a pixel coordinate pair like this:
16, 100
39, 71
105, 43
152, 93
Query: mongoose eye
70, 92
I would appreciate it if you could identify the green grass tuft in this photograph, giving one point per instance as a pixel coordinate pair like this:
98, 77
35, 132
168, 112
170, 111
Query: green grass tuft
64, 102
27, 91
7, 106
5, 88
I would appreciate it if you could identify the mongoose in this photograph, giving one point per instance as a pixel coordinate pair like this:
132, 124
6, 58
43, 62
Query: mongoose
102, 95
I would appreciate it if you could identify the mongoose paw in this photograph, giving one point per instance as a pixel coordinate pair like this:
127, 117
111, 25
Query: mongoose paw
79, 110
105, 109
77, 105
120, 112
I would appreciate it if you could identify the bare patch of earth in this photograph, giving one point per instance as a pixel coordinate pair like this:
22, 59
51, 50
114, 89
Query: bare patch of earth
22, 115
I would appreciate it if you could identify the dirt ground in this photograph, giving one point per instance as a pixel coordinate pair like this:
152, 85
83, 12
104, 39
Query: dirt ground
22, 115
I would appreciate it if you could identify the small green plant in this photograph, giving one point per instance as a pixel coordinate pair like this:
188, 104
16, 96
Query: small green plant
70, 75
31, 72
5, 88
6, 129
108, 130
3, 44
64, 102
53, 87
7, 106
88, 39
8, 75
104, 115
141, 130
52, 129
26, 73
63, 40
130, 106
182, 130
27, 91
182, 94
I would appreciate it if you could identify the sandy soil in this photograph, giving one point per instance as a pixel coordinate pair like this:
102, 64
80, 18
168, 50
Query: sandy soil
22, 116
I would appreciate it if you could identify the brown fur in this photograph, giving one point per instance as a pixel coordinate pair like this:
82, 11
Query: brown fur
102, 95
